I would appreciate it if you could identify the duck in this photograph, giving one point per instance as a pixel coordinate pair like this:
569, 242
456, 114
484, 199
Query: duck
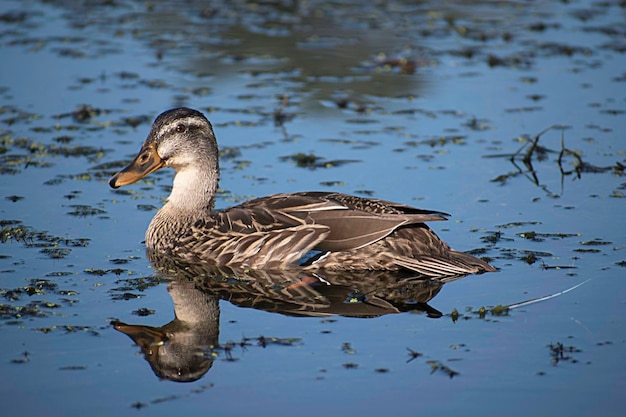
311, 230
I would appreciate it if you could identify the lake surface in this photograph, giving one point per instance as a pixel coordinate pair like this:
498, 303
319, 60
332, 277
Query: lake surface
445, 107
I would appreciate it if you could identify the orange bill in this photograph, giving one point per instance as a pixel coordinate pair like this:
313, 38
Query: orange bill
146, 162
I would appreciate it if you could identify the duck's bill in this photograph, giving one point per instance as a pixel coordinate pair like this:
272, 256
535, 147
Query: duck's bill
145, 163
142, 335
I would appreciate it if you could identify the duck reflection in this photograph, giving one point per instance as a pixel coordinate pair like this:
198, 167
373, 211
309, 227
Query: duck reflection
183, 350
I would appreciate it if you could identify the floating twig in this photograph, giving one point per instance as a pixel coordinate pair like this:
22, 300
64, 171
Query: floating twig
547, 297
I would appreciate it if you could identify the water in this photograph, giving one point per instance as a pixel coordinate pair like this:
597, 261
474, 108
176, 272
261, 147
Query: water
484, 78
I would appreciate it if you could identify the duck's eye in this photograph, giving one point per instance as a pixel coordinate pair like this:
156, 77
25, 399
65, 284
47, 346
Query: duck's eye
181, 128
145, 157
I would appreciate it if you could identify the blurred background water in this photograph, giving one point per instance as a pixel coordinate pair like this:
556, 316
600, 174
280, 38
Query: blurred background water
423, 103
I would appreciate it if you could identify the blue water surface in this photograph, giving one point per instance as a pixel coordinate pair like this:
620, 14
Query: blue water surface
486, 79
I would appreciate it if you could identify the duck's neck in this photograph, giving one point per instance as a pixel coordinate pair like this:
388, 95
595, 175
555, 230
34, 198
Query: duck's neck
193, 192
192, 198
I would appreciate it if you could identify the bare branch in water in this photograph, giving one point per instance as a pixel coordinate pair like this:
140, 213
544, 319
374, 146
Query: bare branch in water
547, 297
538, 153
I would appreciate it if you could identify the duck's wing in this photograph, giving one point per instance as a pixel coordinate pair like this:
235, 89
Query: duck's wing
353, 222
316, 201
278, 230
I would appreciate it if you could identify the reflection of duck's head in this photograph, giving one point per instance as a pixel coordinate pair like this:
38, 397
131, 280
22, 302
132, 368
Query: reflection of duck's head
180, 350
278, 231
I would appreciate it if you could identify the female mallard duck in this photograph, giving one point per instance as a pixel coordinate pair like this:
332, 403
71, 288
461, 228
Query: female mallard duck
279, 231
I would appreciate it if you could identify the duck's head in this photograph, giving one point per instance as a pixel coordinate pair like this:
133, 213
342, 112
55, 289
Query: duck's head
179, 138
